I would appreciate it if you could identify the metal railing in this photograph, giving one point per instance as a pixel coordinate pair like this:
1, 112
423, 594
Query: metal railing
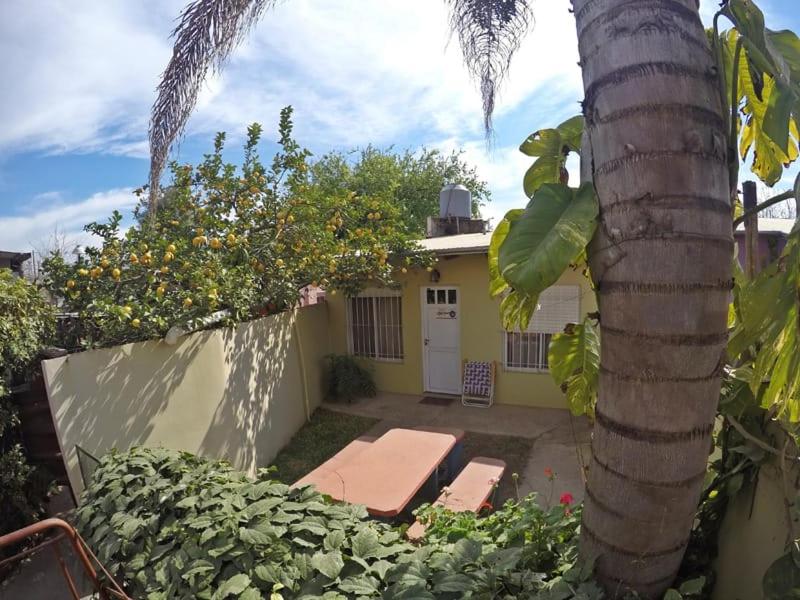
105, 590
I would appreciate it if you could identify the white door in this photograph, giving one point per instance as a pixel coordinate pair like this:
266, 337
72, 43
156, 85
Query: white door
441, 336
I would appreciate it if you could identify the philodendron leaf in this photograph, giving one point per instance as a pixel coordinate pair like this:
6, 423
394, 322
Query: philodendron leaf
782, 579
551, 146
497, 284
574, 361
550, 234
768, 157
516, 309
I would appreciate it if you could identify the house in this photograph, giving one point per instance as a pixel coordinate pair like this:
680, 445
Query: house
415, 337
772, 234
13, 261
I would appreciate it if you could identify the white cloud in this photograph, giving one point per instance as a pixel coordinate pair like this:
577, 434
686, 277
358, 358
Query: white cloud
83, 73
35, 228
360, 72
79, 75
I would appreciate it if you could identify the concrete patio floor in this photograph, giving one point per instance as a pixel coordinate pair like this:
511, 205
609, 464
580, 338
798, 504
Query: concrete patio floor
560, 441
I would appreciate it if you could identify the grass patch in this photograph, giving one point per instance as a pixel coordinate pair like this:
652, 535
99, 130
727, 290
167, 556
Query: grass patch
326, 434
513, 450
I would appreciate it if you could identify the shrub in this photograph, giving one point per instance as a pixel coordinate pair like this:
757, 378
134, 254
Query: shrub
173, 525
348, 380
26, 324
242, 241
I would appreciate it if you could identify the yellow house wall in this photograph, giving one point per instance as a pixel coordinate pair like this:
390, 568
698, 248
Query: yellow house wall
481, 333
237, 393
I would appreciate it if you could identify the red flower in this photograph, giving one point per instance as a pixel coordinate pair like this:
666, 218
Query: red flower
566, 499
548, 472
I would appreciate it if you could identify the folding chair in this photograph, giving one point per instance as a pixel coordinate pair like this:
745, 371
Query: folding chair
478, 387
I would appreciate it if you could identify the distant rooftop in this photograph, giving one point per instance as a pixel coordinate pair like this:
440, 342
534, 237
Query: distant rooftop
766, 225
464, 243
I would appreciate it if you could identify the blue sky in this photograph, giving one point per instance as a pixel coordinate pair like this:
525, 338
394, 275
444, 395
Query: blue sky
80, 77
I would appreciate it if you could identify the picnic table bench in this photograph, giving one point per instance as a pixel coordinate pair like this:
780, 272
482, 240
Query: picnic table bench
469, 491
385, 474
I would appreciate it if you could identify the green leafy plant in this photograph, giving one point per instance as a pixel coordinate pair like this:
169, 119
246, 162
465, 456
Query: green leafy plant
26, 325
173, 525
574, 360
347, 379
228, 244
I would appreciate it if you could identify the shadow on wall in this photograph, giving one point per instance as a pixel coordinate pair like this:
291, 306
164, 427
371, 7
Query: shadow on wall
104, 403
235, 393
261, 407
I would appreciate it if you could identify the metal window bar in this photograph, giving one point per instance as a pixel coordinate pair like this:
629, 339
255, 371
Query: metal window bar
375, 324
527, 351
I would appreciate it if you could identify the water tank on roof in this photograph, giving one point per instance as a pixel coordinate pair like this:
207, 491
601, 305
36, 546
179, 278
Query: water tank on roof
455, 201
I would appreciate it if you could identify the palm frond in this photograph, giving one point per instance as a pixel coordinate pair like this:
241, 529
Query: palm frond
489, 31
207, 32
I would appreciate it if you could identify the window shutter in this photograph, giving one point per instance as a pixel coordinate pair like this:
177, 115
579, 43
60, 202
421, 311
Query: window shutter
558, 305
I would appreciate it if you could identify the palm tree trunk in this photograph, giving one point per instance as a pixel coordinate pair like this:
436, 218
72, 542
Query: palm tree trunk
662, 263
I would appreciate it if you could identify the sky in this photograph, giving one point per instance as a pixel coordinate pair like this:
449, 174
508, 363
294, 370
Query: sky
80, 77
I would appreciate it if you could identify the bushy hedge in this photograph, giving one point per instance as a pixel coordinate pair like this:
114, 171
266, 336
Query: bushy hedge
26, 325
173, 525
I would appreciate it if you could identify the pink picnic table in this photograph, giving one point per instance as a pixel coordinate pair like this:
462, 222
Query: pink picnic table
385, 475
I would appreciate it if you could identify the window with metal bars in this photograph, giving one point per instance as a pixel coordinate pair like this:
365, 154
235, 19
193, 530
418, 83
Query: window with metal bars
527, 350
375, 326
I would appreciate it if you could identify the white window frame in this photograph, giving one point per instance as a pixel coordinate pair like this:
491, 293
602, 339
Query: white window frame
374, 294
570, 313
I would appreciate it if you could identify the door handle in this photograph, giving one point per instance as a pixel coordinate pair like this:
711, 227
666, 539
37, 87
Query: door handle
426, 341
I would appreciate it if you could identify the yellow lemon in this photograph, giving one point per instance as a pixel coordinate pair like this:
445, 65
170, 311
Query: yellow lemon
135, 323
171, 248
115, 273
187, 302
70, 283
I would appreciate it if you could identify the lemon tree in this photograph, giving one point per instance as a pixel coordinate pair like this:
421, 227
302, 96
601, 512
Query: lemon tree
238, 240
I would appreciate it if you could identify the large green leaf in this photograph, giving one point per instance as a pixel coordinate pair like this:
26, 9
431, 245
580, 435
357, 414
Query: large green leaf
551, 146
782, 579
516, 309
770, 330
574, 361
768, 158
497, 284
774, 55
550, 234
233, 586
329, 564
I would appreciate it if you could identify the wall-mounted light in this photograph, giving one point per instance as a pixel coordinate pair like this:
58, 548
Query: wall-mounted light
435, 276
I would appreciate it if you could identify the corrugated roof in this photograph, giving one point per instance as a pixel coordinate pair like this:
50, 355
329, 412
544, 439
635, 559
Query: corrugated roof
463, 243
767, 225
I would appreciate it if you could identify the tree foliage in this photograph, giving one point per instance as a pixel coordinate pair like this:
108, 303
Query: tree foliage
412, 180
26, 325
233, 243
